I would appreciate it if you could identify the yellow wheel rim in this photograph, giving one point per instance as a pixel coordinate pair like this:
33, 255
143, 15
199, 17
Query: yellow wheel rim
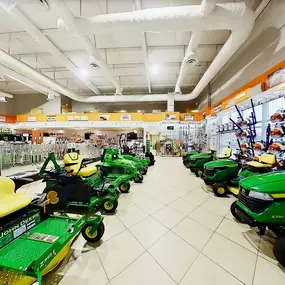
221, 190
124, 187
199, 172
52, 197
107, 207
87, 232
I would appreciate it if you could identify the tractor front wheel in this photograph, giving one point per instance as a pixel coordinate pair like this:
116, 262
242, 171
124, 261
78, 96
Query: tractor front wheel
124, 187
143, 171
220, 190
234, 213
110, 208
279, 249
96, 236
138, 178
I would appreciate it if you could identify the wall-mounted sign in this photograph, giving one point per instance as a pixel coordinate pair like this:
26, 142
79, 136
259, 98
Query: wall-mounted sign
276, 77
188, 118
51, 118
125, 117
218, 108
242, 96
104, 117
77, 118
32, 119
36, 111
2, 119
170, 116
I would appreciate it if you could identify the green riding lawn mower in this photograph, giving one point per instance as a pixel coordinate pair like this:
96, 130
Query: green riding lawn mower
261, 204
112, 165
80, 186
33, 238
225, 175
197, 161
187, 156
142, 162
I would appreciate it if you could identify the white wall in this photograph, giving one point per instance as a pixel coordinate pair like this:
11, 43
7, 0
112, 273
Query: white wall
22, 104
112, 107
264, 49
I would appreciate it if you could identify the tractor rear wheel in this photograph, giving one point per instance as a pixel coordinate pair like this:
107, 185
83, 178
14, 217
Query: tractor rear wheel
220, 190
279, 249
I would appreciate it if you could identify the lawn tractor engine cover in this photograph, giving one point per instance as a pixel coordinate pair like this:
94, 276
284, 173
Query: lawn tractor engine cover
279, 116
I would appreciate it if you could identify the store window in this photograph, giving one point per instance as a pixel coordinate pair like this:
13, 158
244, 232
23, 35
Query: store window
276, 105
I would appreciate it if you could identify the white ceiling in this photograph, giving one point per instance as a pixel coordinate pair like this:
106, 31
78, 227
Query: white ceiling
122, 52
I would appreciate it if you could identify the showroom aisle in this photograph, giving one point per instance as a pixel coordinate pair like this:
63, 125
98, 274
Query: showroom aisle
171, 230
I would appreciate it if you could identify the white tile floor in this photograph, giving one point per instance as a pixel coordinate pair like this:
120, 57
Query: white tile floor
170, 230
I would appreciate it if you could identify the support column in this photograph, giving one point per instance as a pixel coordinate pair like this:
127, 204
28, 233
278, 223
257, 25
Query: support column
170, 102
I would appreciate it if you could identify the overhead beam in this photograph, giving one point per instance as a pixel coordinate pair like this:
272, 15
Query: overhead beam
38, 36
138, 6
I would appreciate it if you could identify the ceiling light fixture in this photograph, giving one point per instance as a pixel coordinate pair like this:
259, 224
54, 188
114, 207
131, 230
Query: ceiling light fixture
84, 72
138, 111
194, 111
155, 69
123, 111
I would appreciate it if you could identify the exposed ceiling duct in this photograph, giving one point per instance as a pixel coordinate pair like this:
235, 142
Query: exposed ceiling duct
68, 21
232, 16
191, 58
236, 17
38, 36
7, 72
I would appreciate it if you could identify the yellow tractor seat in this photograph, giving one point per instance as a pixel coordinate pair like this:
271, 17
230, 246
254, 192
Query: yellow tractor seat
87, 171
10, 201
227, 154
73, 164
266, 160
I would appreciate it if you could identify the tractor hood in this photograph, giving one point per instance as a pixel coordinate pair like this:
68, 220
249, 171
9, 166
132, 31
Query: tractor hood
220, 163
273, 182
200, 155
190, 152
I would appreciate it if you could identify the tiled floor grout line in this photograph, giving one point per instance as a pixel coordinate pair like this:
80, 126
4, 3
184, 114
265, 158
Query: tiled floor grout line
103, 267
255, 265
201, 252
147, 250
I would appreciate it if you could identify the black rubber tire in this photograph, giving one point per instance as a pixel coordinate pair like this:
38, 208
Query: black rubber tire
279, 249
216, 189
143, 171
191, 169
100, 232
125, 190
109, 211
196, 173
233, 211
138, 178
